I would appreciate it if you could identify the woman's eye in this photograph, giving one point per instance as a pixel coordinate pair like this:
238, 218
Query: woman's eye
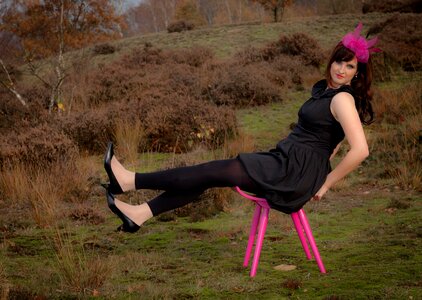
351, 67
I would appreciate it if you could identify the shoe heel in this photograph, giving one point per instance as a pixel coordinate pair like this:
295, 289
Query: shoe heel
128, 225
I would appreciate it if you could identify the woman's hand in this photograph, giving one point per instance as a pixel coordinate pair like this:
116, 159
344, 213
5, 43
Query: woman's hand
320, 193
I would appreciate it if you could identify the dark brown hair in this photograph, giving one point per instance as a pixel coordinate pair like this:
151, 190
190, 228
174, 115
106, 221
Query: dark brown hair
361, 84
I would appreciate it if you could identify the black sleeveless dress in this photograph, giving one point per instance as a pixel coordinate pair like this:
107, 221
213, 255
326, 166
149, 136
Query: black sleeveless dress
290, 174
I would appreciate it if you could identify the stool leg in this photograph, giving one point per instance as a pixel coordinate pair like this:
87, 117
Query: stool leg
261, 233
311, 240
252, 233
302, 238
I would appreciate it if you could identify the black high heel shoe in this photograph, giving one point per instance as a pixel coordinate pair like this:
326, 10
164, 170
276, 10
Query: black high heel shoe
128, 225
113, 186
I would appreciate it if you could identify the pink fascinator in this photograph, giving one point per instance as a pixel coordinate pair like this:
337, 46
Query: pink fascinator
359, 45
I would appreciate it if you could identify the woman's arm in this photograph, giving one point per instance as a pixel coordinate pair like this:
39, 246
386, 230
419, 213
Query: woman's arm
344, 110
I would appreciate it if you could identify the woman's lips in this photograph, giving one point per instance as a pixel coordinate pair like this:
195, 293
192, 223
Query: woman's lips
339, 76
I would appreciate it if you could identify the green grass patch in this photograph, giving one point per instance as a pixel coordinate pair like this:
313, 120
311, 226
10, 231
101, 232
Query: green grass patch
269, 124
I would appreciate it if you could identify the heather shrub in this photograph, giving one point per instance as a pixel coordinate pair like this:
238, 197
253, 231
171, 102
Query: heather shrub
113, 83
37, 146
249, 55
148, 72
403, 6
195, 56
288, 62
401, 42
167, 123
139, 57
180, 78
180, 26
397, 144
103, 49
14, 114
298, 45
240, 86
90, 130
178, 123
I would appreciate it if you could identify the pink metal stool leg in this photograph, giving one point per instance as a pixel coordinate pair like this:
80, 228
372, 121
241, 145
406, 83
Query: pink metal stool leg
311, 239
260, 220
252, 234
302, 238
263, 221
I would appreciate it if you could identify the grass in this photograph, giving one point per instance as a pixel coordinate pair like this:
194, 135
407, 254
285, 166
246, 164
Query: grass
270, 123
369, 250
368, 232
227, 40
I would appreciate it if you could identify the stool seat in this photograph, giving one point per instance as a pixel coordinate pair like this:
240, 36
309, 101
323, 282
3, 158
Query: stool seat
260, 221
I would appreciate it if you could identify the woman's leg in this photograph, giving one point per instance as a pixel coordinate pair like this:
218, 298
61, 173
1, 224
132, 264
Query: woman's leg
185, 185
217, 173
164, 202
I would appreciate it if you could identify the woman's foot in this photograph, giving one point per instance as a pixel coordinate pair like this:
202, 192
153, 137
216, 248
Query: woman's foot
133, 216
121, 180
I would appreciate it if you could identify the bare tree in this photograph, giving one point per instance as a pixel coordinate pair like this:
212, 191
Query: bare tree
55, 84
9, 84
275, 6
229, 12
209, 8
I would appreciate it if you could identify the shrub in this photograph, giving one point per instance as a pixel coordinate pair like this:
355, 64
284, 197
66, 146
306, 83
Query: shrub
180, 26
139, 57
403, 6
103, 49
110, 84
14, 116
178, 123
249, 55
149, 71
37, 146
167, 122
240, 86
399, 135
89, 130
195, 56
297, 45
401, 41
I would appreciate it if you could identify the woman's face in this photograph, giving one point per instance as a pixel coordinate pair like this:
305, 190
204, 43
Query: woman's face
342, 72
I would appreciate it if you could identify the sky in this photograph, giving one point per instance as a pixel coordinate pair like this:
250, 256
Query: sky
130, 3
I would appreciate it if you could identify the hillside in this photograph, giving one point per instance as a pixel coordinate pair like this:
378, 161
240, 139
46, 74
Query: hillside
227, 40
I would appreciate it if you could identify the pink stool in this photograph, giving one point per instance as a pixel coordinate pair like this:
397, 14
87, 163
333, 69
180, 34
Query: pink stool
260, 220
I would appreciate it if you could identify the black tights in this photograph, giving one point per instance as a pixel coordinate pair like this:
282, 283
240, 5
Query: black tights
184, 185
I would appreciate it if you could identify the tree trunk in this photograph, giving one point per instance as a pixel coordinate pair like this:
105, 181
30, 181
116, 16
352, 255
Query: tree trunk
240, 11
229, 12
10, 85
60, 75
279, 10
154, 17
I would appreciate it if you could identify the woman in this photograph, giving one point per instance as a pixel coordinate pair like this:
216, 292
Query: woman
288, 176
